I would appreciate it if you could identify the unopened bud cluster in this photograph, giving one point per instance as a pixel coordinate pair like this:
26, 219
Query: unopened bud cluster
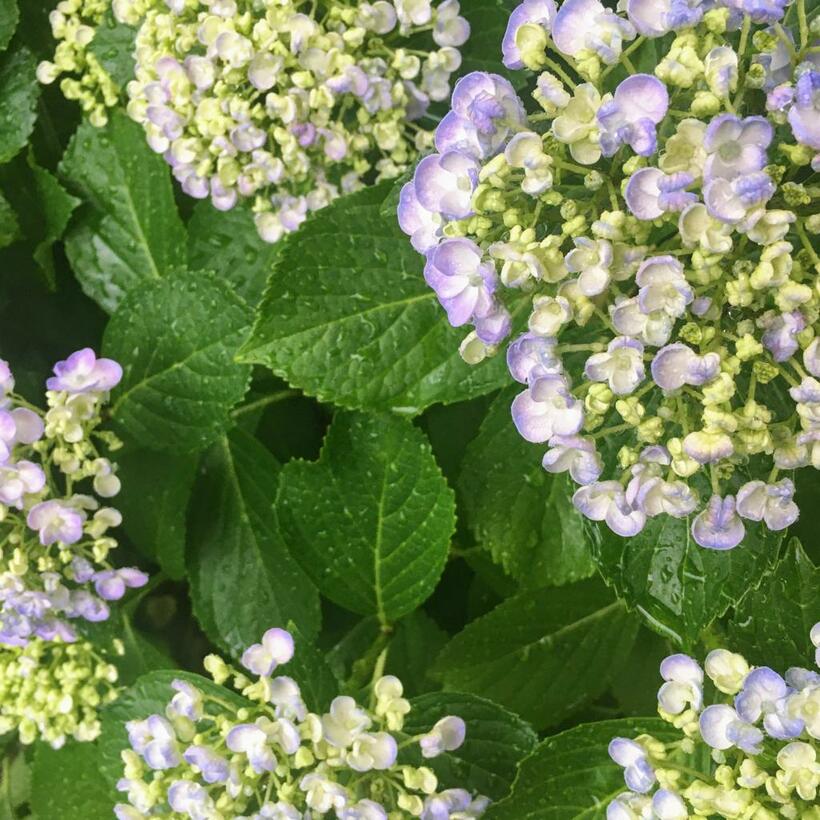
659, 228
748, 747
279, 103
266, 756
52, 691
74, 24
54, 530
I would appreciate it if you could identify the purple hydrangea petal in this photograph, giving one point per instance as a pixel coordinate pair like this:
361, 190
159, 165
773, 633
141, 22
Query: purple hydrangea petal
540, 12
804, 115
642, 193
83, 372
718, 526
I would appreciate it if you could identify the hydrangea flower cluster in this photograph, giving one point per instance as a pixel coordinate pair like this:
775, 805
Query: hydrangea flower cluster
760, 730
275, 103
54, 533
660, 230
212, 757
52, 690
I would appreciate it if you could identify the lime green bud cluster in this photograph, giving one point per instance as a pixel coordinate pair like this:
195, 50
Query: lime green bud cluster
54, 691
73, 25
218, 755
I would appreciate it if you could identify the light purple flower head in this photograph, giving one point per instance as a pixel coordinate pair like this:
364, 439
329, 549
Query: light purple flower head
111, 584
722, 728
485, 111
82, 569
639, 775
807, 392
187, 702
735, 146
654, 18
55, 521
772, 503
780, 98
422, 226
606, 501
155, 740
547, 409
275, 649
576, 455
190, 799
718, 526
53, 629
444, 184
761, 11
621, 366
663, 286
531, 356
353, 80
495, 326
650, 193
811, 357
764, 695
586, 25
18, 480
446, 736
87, 606
677, 364
683, 684
463, 282
249, 739
708, 447
83, 372
629, 118
28, 426
804, 115
214, 768
539, 12
735, 201
780, 338
6, 379
654, 496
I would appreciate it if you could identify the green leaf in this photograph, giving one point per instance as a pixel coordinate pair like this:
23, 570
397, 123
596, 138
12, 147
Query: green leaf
66, 783
113, 46
482, 52
637, 692
772, 624
678, 587
9, 16
542, 653
15, 784
570, 776
130, 233
9, 226
243, 580
176, 339
19, 92
371, 520
347, 316
41, 206
518, 511
55, 207
415, 642
496, 741
154, 511
227, 241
